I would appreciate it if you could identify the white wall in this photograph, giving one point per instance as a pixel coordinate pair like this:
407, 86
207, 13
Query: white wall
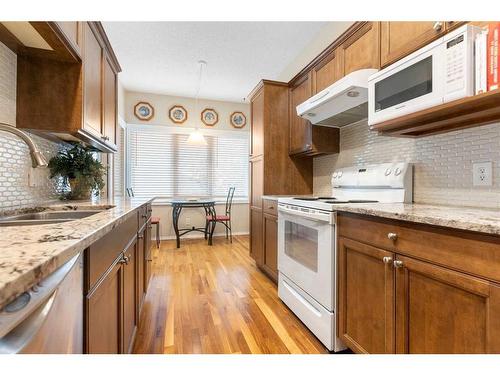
323, 39
162, 104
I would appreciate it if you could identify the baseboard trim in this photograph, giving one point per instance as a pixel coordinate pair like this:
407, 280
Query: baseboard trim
199, 235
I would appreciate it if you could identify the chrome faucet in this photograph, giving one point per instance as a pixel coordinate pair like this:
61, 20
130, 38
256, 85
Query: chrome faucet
37, 158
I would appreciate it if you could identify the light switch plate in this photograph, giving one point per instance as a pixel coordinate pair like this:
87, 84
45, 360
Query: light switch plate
482, 174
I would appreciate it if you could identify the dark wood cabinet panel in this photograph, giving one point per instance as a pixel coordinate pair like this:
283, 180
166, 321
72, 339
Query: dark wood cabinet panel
440, 311
399, 39
148, 258
366, 297
256, 238
300, 129
140, 262
270, 245
361, 50
257, 179
130, 296
73, 32
109, 102
104, 314
92, 78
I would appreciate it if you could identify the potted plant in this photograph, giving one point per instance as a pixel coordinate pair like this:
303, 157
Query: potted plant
79, 170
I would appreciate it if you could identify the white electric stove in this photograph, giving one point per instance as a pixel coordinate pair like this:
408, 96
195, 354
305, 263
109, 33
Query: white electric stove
307, 241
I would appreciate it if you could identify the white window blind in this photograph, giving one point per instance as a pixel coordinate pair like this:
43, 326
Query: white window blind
162, 163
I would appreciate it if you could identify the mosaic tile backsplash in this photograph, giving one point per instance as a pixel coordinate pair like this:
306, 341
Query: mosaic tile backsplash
15, 162
442, 163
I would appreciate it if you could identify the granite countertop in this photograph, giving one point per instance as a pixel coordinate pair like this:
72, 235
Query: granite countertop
466, 218
32, 252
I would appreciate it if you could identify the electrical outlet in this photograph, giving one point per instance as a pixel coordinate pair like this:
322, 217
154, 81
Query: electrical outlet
482, 174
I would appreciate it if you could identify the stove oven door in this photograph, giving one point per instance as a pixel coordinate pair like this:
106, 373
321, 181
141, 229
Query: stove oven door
306, 254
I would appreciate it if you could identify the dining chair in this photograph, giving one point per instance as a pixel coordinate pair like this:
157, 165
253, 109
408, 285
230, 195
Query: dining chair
223, 219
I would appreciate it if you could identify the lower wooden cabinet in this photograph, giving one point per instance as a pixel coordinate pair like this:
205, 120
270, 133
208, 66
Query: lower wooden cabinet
270, 246
130, 296
114, 301
256, 239
104, 314
394, 303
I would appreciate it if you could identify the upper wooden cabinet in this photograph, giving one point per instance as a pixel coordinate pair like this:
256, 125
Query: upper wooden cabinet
361, 50
307, 139
401, 38
257, 119
71, 89
327, 71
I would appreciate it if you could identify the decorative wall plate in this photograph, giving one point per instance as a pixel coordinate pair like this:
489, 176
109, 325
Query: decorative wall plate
144, 111
238, 120
178, 114
209, 117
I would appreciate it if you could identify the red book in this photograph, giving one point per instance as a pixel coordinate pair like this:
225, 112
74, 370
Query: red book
492, 57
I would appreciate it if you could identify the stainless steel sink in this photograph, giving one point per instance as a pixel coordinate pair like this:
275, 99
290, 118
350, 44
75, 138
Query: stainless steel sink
46, 217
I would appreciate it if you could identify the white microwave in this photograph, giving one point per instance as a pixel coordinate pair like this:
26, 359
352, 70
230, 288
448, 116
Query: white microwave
440, 72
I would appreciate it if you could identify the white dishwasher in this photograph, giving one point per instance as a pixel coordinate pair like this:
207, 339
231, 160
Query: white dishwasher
49, 317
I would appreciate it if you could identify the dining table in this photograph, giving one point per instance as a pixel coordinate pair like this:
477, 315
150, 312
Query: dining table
208, 204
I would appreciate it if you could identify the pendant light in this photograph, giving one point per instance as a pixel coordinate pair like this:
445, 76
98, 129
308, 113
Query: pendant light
196, 138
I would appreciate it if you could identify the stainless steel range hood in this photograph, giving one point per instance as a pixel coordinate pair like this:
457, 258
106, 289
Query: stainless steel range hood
344, 102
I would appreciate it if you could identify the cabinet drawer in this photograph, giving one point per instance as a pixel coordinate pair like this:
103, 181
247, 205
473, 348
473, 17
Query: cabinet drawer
270, 207
464, 251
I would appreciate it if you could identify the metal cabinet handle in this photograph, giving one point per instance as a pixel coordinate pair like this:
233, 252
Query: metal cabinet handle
398, 263
392, 236
387, 260
140, 236
438, 26
125, 260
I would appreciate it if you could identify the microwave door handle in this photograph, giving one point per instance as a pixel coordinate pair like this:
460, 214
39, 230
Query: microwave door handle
17, 339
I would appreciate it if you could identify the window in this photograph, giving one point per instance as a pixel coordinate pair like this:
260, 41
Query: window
162, 163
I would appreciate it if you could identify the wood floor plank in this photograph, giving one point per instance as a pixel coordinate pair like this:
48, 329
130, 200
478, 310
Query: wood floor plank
213, 299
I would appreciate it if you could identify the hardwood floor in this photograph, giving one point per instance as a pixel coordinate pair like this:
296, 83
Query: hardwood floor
205, 299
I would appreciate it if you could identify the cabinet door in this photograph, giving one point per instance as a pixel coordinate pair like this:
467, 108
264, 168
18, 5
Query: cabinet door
73, 31
104, 314
130, 301
442, 311
257, 182
109, 105
92, 80
148, 257
326, 72
270, 244
300, 129
256, 238
399, 39
257, 114
362, 49
366, 297
141, 259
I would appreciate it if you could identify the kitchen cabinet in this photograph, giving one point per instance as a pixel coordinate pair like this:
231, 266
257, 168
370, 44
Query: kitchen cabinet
327, 71
72, 90
256, 238
104, 314
307, 139
411, 288
361, 50
398, 39
117, 270
366, 296
272, 170
130, 295
270, 245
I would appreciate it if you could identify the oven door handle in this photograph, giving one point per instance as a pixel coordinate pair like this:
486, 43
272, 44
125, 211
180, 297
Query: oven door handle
328, 217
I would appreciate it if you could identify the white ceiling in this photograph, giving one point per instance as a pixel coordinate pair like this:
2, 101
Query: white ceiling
161, 57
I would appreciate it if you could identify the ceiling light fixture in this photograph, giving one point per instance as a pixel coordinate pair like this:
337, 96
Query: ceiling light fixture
196, 138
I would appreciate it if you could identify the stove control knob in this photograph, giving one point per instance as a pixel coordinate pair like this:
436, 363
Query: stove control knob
397, 172
388, 171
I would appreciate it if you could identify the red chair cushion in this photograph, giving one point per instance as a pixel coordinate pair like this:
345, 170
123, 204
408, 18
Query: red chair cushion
155, 219
219, 217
